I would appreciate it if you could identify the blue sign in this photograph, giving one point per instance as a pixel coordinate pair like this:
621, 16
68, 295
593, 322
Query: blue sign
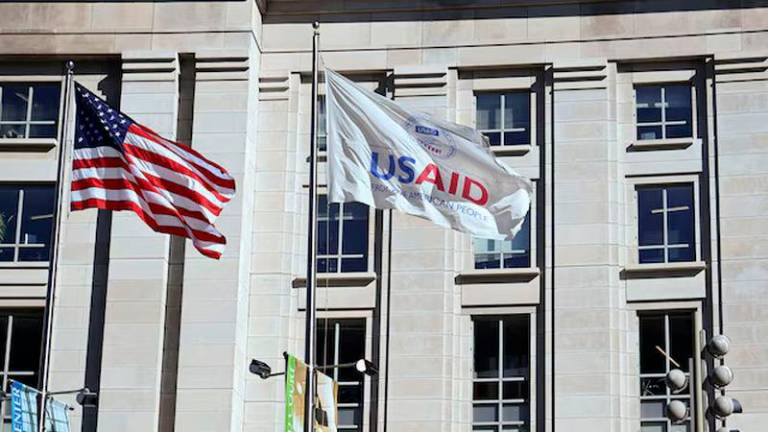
23, 408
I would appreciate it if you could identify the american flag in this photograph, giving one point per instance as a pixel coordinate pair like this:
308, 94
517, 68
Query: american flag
119, 164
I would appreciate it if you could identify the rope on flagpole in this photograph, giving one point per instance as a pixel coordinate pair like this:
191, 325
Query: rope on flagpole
53, 262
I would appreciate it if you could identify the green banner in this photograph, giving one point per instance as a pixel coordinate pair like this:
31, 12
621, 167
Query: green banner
295, 390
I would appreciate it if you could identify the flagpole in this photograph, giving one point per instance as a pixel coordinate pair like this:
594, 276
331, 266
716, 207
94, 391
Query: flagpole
309, 349
53, 262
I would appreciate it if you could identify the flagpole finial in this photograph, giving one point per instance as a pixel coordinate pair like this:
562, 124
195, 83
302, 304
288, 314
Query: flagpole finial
70, 65
316, 25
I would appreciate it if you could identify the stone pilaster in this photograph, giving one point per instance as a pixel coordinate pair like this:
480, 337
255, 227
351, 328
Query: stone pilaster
138, 268
212, 346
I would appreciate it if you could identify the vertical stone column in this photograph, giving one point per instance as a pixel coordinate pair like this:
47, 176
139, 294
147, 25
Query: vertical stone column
214, 317
424, 300
586, 291
136, 294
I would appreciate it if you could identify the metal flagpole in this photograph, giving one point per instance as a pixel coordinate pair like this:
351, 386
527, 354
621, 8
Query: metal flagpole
309, 350
53, 262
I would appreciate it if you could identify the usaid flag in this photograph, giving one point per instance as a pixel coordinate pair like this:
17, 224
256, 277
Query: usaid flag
388, 157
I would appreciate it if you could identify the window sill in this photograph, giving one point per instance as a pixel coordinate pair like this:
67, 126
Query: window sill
27, 144
337, 280
663, 144
497, 276
24, 265
511, 150
634, 271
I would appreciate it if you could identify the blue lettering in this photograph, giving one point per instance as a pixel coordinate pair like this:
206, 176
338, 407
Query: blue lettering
375, 167
427, 130
407, 169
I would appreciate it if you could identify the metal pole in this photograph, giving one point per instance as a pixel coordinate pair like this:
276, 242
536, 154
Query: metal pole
309, 350
53, 263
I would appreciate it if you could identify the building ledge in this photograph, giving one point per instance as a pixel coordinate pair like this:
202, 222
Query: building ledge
337, 280
27, 144
663, 144
511, 150
635, 271
496, 276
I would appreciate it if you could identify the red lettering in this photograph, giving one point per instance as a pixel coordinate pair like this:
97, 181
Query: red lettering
431, 174
454, 183
466, 193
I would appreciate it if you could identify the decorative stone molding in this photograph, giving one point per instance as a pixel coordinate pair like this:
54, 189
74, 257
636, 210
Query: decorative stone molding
150, 65
274, 86
741, 67
222, 65
580, 75
420, 81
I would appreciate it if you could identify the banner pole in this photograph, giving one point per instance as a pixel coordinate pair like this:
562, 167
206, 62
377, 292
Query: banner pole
53, 262
309, 350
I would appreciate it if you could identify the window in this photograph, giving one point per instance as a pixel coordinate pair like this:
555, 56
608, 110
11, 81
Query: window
342, 233
505, 118
21, 335
29, 110
26, 216
664, 112
666, 223
343, 341
515, 253
501, 381
666, 342
322, 135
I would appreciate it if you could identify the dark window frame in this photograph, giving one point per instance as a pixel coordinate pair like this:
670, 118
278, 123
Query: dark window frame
29, 121
663, 105
340, 255
666, 210
18, 243
502, 130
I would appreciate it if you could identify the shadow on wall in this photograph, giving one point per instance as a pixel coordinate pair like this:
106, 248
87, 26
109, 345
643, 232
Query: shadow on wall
300, 11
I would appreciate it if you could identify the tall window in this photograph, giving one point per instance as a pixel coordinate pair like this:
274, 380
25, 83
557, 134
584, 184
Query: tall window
666, 342
26, 219
29, 110
21, 333
666, 223
342, 232
664, 111
505, 118
515, 253
501, 382
343, 341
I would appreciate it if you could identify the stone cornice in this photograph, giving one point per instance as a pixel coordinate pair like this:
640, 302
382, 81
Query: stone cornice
741, 66
420, 80
150, 65
222, 65
580, 74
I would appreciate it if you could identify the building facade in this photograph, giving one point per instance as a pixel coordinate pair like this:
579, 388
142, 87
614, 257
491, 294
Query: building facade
643, 125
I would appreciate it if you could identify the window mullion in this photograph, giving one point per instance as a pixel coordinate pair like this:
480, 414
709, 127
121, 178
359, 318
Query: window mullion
663, 112
19, 217
30, 95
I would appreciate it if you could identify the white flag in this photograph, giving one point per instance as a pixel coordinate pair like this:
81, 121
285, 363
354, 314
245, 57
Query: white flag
386, 156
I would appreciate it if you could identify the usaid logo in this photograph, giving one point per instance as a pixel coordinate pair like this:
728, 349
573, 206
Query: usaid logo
432, 139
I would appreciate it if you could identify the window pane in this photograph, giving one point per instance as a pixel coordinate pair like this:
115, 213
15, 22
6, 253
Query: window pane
517, 109
651, 337
45, 102
515, 390
648, 104
42, 131
14, 102
494, 138
681, 339
651, 256
351, 347
347, 416
355, 235
34, 253
652, 408
349, 265
649, 132
485, 413
680, 219
681, 254
37, 215
26, 336
678, 100
650, 223
12, 131
485, 391
514, 412
515, 138
653, 427
486, 349
9, 204
487, 253
679, 131
324, 342
350, 393
516, 346
653, 386
488, 111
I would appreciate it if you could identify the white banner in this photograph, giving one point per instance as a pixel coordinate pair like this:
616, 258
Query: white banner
386, 156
